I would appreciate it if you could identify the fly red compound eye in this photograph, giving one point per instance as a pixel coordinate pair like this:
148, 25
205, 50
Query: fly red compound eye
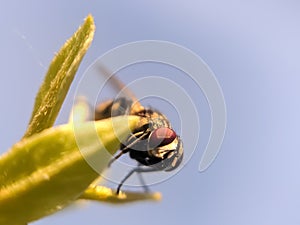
161, 136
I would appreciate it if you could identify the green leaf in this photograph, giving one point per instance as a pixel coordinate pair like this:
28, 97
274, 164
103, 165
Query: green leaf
59, 77
53, 167
45, 172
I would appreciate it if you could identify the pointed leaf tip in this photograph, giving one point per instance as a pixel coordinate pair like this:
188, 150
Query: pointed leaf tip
59, 77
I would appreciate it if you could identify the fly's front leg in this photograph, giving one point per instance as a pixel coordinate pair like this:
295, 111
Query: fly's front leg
126, 148
138, 169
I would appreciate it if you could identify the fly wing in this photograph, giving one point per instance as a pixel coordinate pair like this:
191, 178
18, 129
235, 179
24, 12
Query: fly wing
120, 87
112, 108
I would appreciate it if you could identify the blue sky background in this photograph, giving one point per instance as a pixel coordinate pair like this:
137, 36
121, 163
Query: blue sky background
253, 48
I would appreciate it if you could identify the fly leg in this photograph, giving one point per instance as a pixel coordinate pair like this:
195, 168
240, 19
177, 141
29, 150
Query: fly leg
142, 180
137, 170
127, 148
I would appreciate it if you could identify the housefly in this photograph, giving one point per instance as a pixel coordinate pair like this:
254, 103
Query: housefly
153, 144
